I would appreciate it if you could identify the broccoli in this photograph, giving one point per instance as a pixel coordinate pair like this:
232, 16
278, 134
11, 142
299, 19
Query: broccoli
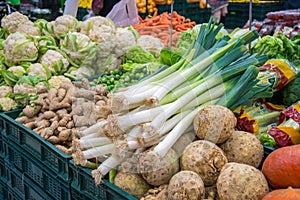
291, 92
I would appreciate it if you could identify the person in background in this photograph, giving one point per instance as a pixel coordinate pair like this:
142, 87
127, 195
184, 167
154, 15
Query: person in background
218, 9
103, 7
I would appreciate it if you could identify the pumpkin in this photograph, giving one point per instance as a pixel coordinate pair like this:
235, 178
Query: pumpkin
279, 194
282, 167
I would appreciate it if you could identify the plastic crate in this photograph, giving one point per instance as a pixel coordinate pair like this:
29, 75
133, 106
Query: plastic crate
21, 187
197, 14
83, 187
40, 175
259, 10
2, 153
34, 145
3, 190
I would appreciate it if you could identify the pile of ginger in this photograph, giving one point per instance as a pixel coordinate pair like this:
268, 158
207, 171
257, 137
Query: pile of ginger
58, 115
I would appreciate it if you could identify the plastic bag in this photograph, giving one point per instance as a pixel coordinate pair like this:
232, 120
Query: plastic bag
124, 13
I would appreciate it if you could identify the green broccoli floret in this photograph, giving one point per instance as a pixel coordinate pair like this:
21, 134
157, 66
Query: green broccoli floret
291, 92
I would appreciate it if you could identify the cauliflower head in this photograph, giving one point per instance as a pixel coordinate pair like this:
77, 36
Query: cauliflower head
107, 64
20, 47
5, 91
18, 71
124, 40
55, 81
7, 104
25, 89
37, 69
12, 21
79, 47
64, 24
151, 44
55, 61
82, 72
29, 28
102, 31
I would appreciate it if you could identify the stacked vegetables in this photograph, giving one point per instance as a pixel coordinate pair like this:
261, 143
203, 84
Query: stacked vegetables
64, 47
157, 111
159, 26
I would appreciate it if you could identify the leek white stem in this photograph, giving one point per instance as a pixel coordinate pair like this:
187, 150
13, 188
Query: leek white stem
94, 128
166, 144
110, 163
98, 151
93, 142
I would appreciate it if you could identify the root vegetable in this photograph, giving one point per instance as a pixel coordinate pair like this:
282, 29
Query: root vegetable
53, 139
204, 158
160, 193
64, 121
132, 183
61, 113
215, 123
243, 147
30, 125
31, 111
64, 149
47, 115
240, 181
158, 170
25, 119
211, 193
65, 134
186, 185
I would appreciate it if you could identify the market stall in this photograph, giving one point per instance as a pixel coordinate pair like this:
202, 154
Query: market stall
172, 106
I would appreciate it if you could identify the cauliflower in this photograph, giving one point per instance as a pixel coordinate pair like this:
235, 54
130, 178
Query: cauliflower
55, 81
107, 64
83, 72
29, 28
18, 71
151, 44
20, 47
124, 40
55, 61
7, 103
37, 69
79, 47
64, 24
28, 89
13, 20
5, 91
102, 31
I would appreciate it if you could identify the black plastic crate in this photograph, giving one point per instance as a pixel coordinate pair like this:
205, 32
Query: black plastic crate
83, 187
40, 175
259, 10
3, 190
34, 145
21, 187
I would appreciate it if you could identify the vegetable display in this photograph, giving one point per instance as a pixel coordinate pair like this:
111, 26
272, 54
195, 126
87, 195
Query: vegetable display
183, 120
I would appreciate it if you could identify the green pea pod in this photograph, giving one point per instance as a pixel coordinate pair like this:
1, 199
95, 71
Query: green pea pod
112, 175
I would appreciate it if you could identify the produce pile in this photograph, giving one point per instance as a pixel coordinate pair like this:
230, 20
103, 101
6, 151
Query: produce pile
160, 122
159, 26
34, 54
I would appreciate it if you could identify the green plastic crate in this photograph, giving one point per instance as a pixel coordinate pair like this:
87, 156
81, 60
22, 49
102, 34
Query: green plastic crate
3, 190
34, 145
2, 153
21, 187
83, 187
40, 175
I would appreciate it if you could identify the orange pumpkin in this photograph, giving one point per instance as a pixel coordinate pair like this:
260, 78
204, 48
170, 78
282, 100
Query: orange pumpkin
280, 194
282, 167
